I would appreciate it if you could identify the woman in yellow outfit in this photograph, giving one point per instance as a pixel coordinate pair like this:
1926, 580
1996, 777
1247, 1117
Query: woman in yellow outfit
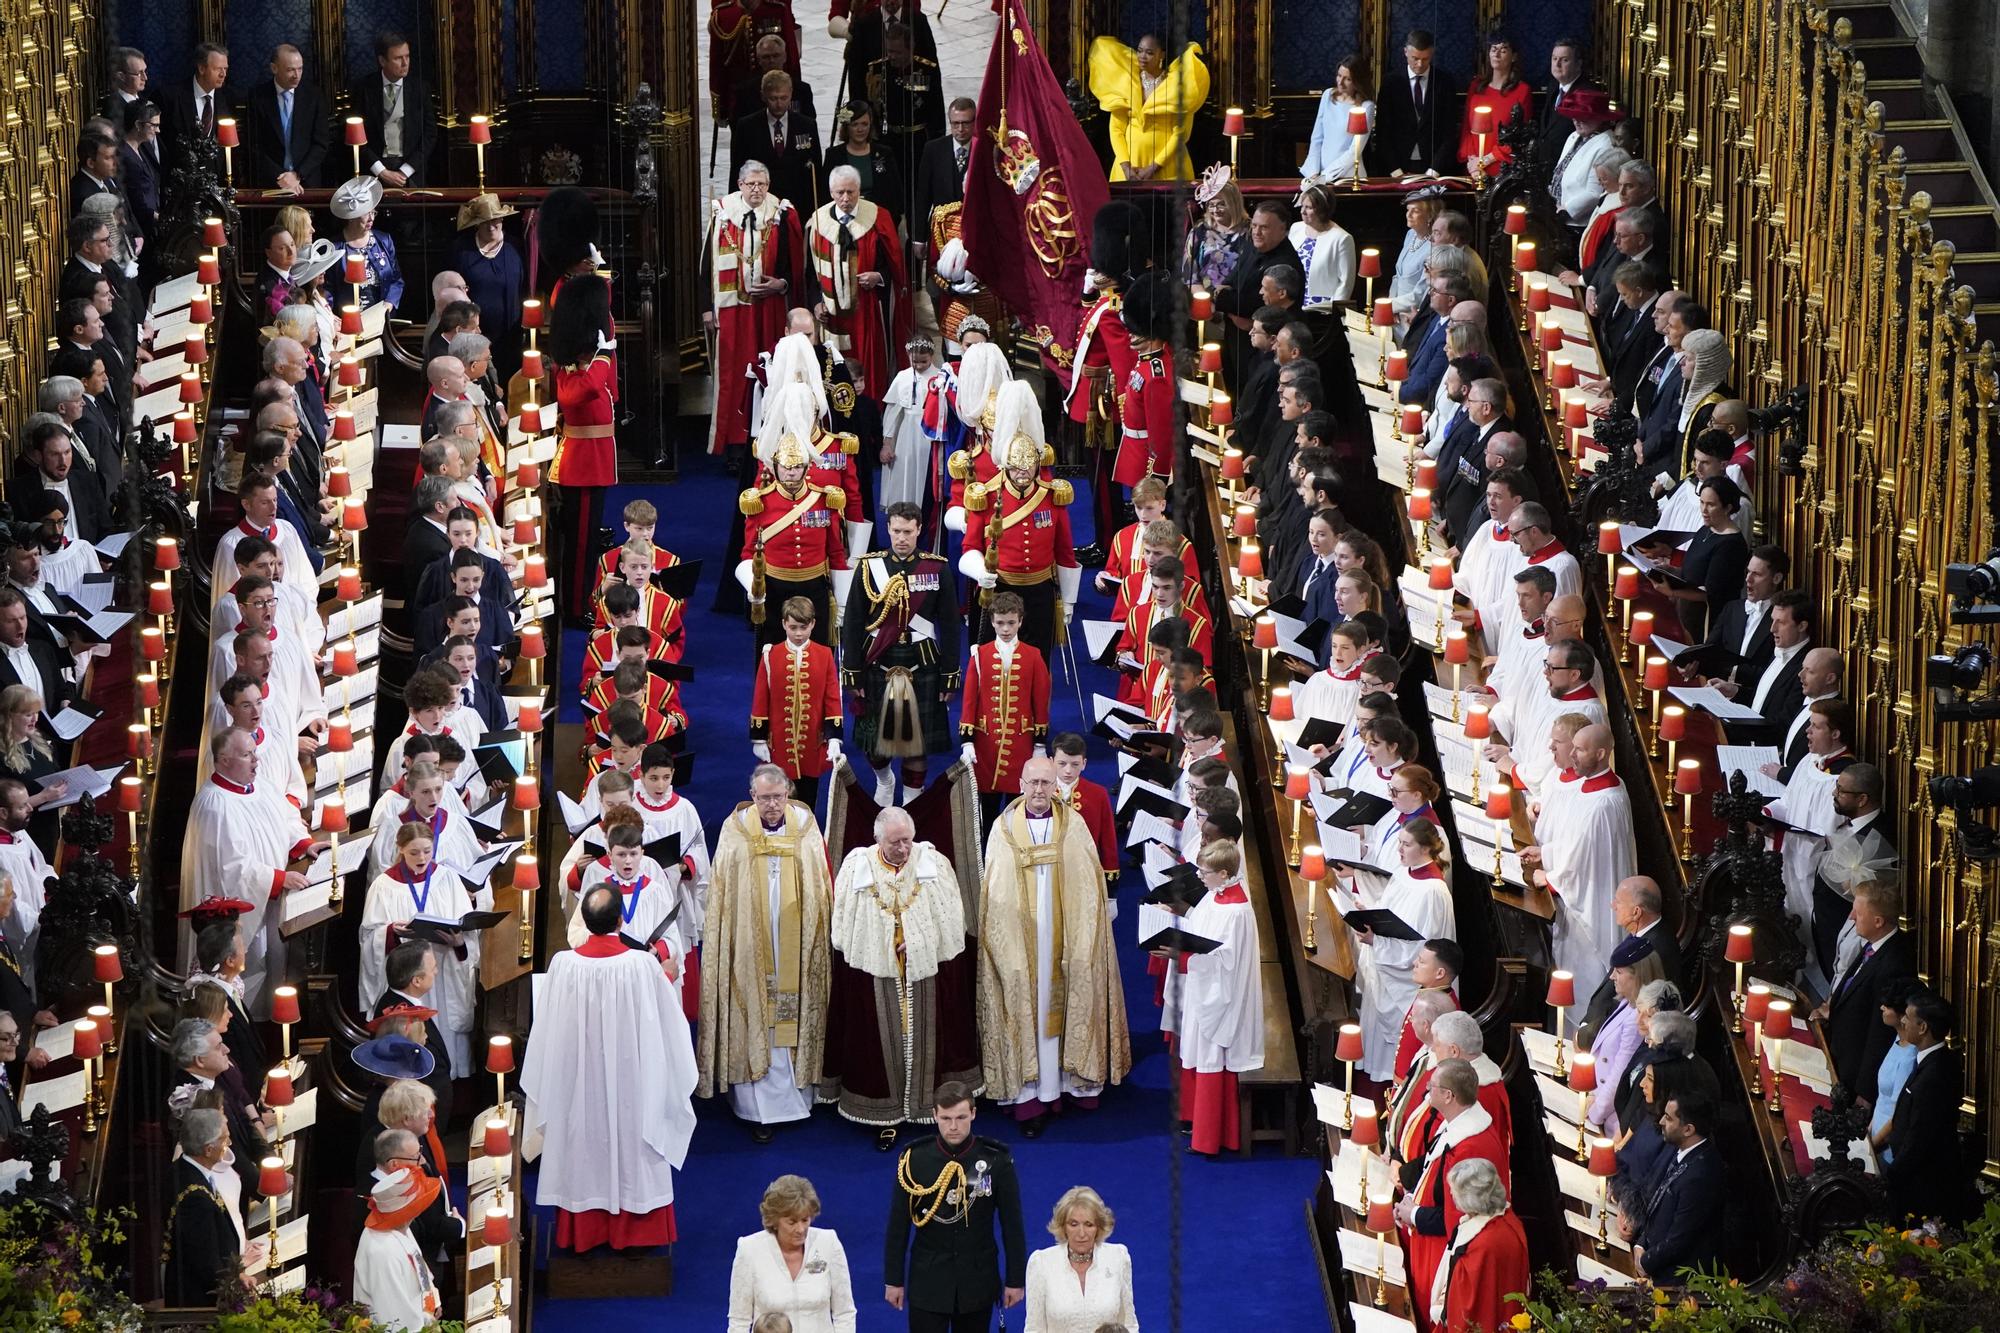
1151, 104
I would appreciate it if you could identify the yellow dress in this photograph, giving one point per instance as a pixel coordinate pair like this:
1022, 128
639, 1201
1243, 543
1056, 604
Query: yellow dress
1148, 131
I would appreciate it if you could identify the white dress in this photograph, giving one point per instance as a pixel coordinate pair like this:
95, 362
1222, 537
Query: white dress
1382, 971
819, 1300
1057, 1303
903, 426
1333, 148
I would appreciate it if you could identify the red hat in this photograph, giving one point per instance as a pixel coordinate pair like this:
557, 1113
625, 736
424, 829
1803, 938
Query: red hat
399, 1011
400, 1198
217, 908
1587, 104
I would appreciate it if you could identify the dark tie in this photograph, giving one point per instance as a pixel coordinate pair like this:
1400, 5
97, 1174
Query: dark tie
208, 113
777, 136
959, 155
1855, 971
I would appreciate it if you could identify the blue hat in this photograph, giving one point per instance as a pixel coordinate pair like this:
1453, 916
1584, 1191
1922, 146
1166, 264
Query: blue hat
394, 1056
1630, 950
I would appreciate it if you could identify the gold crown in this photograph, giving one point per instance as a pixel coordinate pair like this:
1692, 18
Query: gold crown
1014, 159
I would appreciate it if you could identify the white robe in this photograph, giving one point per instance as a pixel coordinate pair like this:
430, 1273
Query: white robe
457, 989
1554, 558
1807, 803
1222, 997
1518, 672
1534, 721
392, 1280
468, 770
294, 681
22, 862
1328, 694
298, 565
776, 1098
610, 1078
645, 901
1382, 972
1588, 849
65, 569
903, 426
678, 815
1051, 1080
1486, 567
454, 845
238, 844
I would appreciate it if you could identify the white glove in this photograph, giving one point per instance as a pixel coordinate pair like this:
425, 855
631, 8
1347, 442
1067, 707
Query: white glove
743, 574
954, 518
1069, 612
833, 753
972, 564
762, 749
951, 260
968, 754
836, 28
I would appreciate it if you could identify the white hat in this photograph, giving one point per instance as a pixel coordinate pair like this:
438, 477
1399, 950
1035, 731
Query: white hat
314, 260
357, 197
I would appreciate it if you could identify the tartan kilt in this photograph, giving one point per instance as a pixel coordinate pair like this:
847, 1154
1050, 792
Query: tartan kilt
933, 718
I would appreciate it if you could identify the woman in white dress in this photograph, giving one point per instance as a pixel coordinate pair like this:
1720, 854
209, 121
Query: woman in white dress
415, 885
906, 450
1419, 893
1326, 250
791, 1267
1083, 1281
1331, 156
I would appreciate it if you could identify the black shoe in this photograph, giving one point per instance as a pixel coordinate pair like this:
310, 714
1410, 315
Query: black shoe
760, 1133
1091, 556
1033, 1128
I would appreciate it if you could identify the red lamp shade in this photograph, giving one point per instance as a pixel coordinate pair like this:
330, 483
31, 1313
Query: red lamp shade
499, 1143
479, 130
354, 514
1245, 524
531, 314
531, 363
527, 793
1250, 561
1385, 313
350, 373
1457, 648
1370, 263
278, 1087
271, 1179
131, 795
166, 554
1211, 358
1347, 1049
88, 1043
1357, 121
500, 1055
1576, 411
1478, 722
524, 531
339, 735
496, 1227
200, 309
1221, 410
1427, 472
339, 481
105, 964
350, 320
1381, 1216
1232, 464
1562, 372
345, 661
1201, 303
1281, 704
531, 419
333, 816
195, 350
1298, 781
1441, 574
1603, 1158
1608, 541
1396, 366
138, 741
208, 270
191, 386
347, 585
285, 1004
527, 873
1264, 634
1516, 222
1367, 1129
1312, 863
531, 718
1583, 1072
1499, 802
1656, 673
532, 643
1562, 990
153, 644
1413, 424
1742, 945
1420, 505
527, 476
1756, 1004
1778, 1018
225, 132
1232, 121
1551, 335
1626, 583
1482, 119
184, 430
1642, 627
1526, 257
159, 599
357, 132
1538, 296
535, 574
354, 269
1673, 723
343, 430
212, 233
1687, 777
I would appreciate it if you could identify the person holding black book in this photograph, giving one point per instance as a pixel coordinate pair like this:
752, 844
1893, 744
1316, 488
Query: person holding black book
1221, 1022
1415, 901
404, 903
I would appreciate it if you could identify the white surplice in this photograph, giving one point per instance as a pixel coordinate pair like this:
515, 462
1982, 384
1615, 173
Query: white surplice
393, 1281
1586, 851
1807, 803
1222, 1003
390, 900
239, 842
1382, 972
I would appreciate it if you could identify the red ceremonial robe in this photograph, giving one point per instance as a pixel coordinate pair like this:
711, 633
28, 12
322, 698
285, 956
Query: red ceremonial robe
1407, 1044
1437, 1212
768, 242
1491, 1264
869, 327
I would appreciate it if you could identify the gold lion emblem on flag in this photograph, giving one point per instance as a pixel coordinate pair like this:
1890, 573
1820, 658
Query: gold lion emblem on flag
1046, 215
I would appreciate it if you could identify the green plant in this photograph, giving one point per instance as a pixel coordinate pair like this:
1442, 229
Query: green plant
310, 1310
53, 1274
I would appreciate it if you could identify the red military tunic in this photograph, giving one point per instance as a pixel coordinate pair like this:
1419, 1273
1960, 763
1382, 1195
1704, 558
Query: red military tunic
1146, 410
1102, 344
1030, 532
1127, 560
795, 706
587, 397
975, 463
603, 647
1138, 625
1090, 800
1005, 711
832, 468
800, 532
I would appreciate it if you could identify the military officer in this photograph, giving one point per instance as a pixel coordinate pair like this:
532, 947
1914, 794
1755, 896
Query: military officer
791, 527
949, 1190
899, 647
1017, 533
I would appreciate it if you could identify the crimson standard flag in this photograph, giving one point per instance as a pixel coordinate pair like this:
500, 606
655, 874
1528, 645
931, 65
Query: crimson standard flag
1031, 190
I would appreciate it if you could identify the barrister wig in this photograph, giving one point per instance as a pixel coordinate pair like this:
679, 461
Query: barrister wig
1152, 306
565, 231
1121, 242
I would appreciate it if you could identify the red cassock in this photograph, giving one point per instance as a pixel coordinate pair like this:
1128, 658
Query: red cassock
1146, 410
1493, 1263
1138, 624
1034, 529
862, 328
795, 706
603, 648
1004, 712
657, 612
1426, 1252
742, 241
1102, 344
800, 533
1127, 561
660, 724
662, 696
587, 396
1093, 802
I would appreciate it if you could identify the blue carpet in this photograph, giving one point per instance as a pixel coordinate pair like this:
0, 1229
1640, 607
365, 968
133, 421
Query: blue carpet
1236, 1218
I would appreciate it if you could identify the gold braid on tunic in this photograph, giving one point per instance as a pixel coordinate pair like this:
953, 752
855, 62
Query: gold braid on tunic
949, 1186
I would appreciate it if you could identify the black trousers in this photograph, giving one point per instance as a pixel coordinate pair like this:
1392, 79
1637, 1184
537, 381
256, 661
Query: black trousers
930, 1321
1829, 914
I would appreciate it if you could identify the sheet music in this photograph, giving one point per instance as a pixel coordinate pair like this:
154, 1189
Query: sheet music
59, 1041
1666, 647
1345, 1175
1330, 1104
362, 615
71, 722
1364, 1253
304, 902
81, 782
1575, 1180
1149, 827
1099, 635
1711, 701
574, 816
93, 592
302, 1114
58, 1094
1819, 1150
1540, 1048
1560, 1099
1368, 1319
1745, 759
1805, 1063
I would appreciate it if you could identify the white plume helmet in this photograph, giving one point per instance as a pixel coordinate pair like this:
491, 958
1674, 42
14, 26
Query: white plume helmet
1017, 427
983, 374
790, 422
796, 361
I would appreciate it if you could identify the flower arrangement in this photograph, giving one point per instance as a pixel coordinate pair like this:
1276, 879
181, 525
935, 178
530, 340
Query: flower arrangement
310, 1310
53, 1273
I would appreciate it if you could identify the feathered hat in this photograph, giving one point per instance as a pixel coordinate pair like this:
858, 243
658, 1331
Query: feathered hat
796, 361
1121, 241
1018, 441
785, 436
1152, 306
982, 375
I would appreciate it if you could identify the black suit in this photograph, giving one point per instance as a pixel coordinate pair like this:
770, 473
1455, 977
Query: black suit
180, 118
750, 93
1628, 346
939, 181
1464, 482
1725, 631
1857, 1038
364, 95
864, 45
1413, 138
1659, 407
97, 432
51, 679
139, 172
311, 139
82, 185
1604, 1000
795, 171
1927, 1177
1603, 279
1683, 1227
121, 326
202, 1249
439, 1081
87, 504
1244, 296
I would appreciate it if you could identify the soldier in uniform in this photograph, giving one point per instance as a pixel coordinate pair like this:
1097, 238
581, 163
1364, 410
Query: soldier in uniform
899, 646
791, 529
1149, 400
949, 1190
796, 368
973, 398
1017, 527
908, 93
1120, 246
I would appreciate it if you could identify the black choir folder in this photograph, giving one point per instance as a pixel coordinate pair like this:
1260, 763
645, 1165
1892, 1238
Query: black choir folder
429, 928
659, 932
1179, 941
1383, 922
1179, 887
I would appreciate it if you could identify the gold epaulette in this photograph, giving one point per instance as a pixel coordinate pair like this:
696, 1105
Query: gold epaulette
1061, 492
835, 495
958, 465
849, 443
1048, 455
751, 502
976, 496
